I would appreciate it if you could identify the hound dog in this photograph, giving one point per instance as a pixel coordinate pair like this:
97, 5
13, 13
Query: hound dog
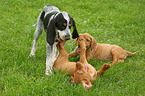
57, 26
101, 51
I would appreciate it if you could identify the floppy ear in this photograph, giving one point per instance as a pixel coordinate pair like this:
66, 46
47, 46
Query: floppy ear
93, 42
75, 32
51, 32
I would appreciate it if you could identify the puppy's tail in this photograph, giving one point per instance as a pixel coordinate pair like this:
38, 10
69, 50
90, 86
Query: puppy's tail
130, 53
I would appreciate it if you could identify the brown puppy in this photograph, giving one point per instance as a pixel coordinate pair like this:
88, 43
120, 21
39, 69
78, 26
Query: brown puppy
62, 62
101, 51
81, 75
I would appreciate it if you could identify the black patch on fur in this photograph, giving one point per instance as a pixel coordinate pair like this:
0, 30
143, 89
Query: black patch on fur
75, 32
60, 22
42, 16
51, 33
47, 18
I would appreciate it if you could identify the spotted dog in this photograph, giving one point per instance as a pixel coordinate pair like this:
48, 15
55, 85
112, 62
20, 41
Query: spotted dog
57, 26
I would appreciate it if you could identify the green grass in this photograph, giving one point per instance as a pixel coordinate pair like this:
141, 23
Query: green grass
120, 22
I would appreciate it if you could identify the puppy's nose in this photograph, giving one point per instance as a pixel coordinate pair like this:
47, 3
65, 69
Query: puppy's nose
67, 37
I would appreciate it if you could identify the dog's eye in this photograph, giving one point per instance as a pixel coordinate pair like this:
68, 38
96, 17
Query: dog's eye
64, 24
69, 26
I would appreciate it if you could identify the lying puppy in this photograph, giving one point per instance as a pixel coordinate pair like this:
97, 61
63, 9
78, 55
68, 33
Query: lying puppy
101, 51
62, 64
82, 76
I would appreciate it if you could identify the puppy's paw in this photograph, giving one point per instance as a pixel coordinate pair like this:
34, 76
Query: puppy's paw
72, 79
106, 66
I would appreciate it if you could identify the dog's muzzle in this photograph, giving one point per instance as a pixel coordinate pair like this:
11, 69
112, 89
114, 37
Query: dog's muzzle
67, 37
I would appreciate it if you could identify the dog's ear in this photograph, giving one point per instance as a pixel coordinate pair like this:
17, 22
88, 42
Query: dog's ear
93, 42
51, 32
75, 32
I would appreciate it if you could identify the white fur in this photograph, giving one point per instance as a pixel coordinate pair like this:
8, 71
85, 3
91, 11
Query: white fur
51, 51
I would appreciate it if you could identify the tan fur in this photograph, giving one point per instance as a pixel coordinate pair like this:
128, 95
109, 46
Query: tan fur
81, 72
85, 73
62, 63
101, 51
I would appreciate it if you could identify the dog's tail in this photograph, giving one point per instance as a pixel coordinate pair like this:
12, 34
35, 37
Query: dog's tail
34, 24
130, 53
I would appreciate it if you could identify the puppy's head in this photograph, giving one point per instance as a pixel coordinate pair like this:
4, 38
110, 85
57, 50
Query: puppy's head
86, 40
81, 73
59, 28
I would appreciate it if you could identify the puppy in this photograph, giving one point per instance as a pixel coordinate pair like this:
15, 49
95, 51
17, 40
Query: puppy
61, 63
71, 68
101, 51
82, 76
83, 73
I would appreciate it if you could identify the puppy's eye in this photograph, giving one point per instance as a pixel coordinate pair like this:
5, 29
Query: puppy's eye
87, 40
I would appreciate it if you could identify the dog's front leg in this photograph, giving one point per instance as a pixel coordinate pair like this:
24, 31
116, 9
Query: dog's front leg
51, 57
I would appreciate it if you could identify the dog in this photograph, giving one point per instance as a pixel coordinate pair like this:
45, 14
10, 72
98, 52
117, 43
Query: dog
82, 76
101, 51
81, 72
57, 26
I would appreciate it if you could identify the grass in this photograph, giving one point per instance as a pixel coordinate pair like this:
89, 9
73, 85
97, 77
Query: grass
120, 22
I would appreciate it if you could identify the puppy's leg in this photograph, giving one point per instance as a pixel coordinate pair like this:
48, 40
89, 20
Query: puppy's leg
37, 33
51, 57
120, 60
114, 55
103, 69
74, 53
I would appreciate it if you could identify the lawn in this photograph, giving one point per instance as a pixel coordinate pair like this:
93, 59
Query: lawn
120, 22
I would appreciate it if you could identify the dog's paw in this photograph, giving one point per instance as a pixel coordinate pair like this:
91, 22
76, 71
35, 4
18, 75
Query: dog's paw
31, 55
106, 66
48, 73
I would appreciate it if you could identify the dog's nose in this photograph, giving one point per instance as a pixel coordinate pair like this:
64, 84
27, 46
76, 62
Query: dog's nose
67, 37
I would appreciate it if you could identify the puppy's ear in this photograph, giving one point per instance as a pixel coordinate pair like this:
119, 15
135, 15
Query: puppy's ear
75, 32
51, 32
93, 42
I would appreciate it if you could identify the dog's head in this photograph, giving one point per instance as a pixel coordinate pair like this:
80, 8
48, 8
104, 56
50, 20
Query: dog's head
86, 40
81, 72
59, 28
81, 75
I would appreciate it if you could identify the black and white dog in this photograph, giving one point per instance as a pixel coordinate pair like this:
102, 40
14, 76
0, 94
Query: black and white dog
57, 26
